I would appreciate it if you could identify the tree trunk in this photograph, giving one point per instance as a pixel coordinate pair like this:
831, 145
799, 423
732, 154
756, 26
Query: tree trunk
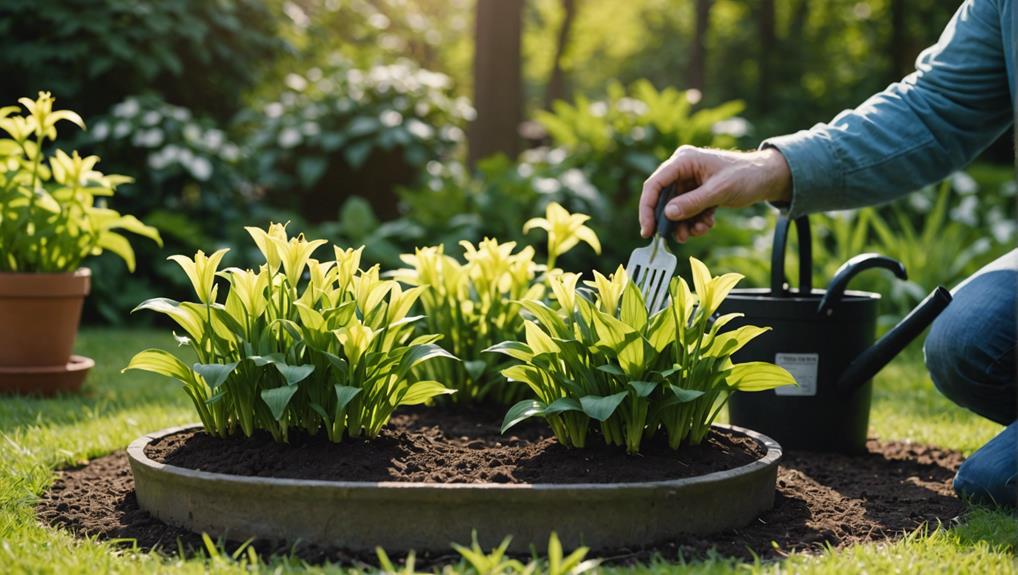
900, 64
698, 57
557, 82
767, 42
498, 83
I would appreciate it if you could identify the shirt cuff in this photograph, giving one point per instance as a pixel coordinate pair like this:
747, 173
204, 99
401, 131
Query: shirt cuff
816, 173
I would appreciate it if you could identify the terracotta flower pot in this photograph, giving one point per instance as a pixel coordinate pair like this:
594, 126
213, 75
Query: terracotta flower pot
39, 315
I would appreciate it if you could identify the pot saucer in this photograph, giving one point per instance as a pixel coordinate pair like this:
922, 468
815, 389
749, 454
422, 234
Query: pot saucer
46, 380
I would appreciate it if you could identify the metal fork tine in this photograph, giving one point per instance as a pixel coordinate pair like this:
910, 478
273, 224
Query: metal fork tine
656, 293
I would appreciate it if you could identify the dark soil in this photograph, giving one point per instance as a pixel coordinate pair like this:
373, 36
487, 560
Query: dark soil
443, 445
822, 499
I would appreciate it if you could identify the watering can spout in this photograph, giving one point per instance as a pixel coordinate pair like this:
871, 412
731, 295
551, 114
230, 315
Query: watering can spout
871, 361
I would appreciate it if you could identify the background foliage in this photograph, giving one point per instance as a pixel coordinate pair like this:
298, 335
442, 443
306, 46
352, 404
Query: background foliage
347, 117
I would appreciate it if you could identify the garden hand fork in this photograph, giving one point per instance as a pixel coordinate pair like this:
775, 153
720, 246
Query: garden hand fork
652, 267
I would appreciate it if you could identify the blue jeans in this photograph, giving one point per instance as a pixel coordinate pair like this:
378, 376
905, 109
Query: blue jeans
970, 352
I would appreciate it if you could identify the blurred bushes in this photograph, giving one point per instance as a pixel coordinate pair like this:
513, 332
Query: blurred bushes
598, 154
341, 131
200, 54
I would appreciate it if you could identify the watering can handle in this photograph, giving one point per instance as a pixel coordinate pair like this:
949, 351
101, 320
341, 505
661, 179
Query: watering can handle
778, 256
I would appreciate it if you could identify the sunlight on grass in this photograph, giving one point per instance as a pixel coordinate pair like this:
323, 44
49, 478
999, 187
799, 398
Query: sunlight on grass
38, 435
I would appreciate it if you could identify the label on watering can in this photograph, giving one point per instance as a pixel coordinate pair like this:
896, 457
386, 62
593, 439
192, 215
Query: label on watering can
803, 367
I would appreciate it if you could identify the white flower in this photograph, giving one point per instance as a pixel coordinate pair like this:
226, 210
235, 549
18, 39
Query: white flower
390, 118
525, 170
192, 133
556, 156
158, 160
314, 74
100, 130
121, 129
214, 138
229, 152
1009, 189
152, 138
200, 168
736, 127
547, 185
422, 108
966, 212
419, 129
378, 20
693, 96
289, 137
274, 110
129, 108
180, 114
151, 118
920, 202
632, 106
598, 109
295, 82
296, 14
963, 183
310, 129
638, 133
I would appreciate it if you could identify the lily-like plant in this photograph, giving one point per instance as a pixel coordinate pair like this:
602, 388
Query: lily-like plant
332, 351
474, 304
603, 358
50, 219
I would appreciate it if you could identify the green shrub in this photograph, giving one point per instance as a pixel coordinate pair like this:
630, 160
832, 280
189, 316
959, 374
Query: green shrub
342, 131
53, 211
606, 360
332, 352
475, 303
199, 54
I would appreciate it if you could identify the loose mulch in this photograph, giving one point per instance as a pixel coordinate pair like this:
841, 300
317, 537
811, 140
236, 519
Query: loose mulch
822, 499
445, 445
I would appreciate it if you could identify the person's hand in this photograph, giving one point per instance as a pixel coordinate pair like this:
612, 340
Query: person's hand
706, 179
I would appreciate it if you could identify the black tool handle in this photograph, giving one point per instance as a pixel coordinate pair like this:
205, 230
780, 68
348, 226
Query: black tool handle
665, 227
778, 256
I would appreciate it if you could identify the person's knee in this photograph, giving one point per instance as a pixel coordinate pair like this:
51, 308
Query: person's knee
990, 476
946, 349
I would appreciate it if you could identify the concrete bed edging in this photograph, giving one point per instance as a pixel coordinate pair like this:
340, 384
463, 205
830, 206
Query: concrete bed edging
399, 516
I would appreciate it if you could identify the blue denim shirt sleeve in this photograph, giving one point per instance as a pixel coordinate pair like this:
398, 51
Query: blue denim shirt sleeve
915, 132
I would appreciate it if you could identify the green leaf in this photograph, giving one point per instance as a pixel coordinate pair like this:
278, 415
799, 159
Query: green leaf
475, 368
758, 376
186, 318
422, 391
161, 362
612, 369
522, 410
215, 374
550, 320
294, 374
643, 388
421, 353
538, 340
119, 245
601, 408
683, 395
263, 360
561, 405
634, 310
514, 349
277, 399
344, 395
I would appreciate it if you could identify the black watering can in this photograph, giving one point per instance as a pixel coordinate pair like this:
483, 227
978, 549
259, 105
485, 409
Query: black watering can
825, 338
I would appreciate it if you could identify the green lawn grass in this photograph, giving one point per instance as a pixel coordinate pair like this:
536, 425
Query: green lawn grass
38, 435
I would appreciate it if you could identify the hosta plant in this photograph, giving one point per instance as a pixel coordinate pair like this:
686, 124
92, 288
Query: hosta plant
602, 358
53, 211
475, 303
298, 343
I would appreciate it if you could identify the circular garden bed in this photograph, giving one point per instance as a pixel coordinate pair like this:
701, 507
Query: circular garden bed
820, 498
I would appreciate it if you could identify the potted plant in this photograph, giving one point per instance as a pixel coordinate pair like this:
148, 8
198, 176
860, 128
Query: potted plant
474, 304
603, 358
333, 352
50, 221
